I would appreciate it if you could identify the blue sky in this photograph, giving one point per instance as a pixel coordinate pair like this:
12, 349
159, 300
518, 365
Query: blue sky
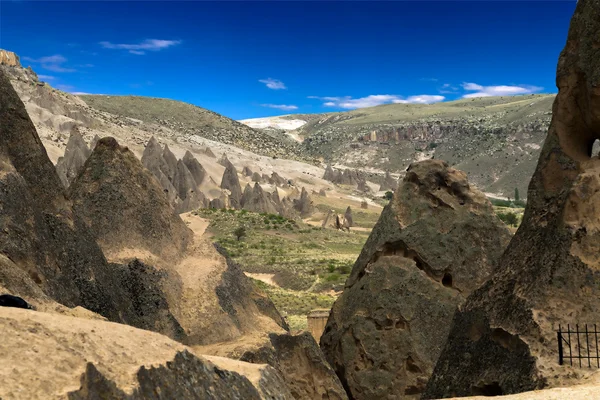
254, 59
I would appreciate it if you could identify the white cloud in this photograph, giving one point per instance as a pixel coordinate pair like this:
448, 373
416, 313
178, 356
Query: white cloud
79, 93
142, 47
429, 79
45, 77
274, 84
501, 90
281, 106
376, 100
51, 63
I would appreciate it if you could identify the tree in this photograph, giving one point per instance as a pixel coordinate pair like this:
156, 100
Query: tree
517, 197
388, 195
240, 232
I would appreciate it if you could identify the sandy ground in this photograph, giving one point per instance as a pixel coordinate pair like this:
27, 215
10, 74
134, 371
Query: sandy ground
266, 278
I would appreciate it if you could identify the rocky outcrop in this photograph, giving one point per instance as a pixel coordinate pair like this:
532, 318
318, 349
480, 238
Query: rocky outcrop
335, 221
9, 58
171, 162
362, 186
231, 182
348, 217
503, 340
329, 174
389, 183
277, 180
434, 243
47, 248
84, 359
194, 167
209, 153
322, 193
124, 206
304, 205
93, 142
256, 177
75, 155
301, 364
246, 171
259, 201
224, 161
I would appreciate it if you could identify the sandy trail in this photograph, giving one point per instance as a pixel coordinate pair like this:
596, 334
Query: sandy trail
266, 278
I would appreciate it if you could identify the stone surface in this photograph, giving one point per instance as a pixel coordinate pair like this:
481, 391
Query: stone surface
388, 183
124, 206
9, 58
304, 205
194, 167
301, 364
76, 153
348, 217
436, 241
86, 359
503, 339
231, 182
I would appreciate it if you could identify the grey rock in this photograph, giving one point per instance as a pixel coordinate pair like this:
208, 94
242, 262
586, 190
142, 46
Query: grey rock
197, 170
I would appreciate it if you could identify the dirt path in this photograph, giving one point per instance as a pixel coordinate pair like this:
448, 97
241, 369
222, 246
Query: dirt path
266, 278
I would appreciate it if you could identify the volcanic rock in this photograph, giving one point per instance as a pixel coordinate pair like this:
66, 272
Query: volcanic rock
304, 204
90, 359
434, 243
124, 206
247, 171
71, 163
388, 183
277, 180
329, 174
256, 177
246, 195
348, 217
171, 162
194, 167
301, 364
231, 182
46, 250
259, 201
503, 340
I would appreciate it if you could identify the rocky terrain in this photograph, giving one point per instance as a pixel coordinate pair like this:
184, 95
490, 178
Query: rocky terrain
503, 340
435, 242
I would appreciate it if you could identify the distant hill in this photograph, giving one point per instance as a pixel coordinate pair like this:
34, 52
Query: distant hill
189, 120
496, 140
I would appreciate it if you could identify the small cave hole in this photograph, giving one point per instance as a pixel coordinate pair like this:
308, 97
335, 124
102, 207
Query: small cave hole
447, 280
491, 389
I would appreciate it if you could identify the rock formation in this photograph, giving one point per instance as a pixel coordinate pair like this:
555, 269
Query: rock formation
304, 204
224, 161
9, 58
75, 155
335, 221
259, 202
231, 182
83, 359
322, 193
209, 153
47, 251
348, 217
364, 204
256, 177
93, 142
139, 216
301, 364
277, 180
362, 186
194, 167
246, 171
171, 162
246, 195
329, 174
503, 340
433, 244
388, 183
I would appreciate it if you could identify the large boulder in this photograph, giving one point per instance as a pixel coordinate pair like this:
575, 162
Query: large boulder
75, 155
301, 364
82, 359
434, 243
503, 340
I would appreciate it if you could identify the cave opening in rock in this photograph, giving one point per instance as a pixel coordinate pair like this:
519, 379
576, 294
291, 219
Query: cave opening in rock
490, 389
447, 280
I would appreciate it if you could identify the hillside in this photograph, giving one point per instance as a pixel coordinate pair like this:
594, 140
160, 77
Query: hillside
189, 120
496, 140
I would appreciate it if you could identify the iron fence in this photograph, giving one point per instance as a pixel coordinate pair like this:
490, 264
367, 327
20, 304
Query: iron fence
580, 343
